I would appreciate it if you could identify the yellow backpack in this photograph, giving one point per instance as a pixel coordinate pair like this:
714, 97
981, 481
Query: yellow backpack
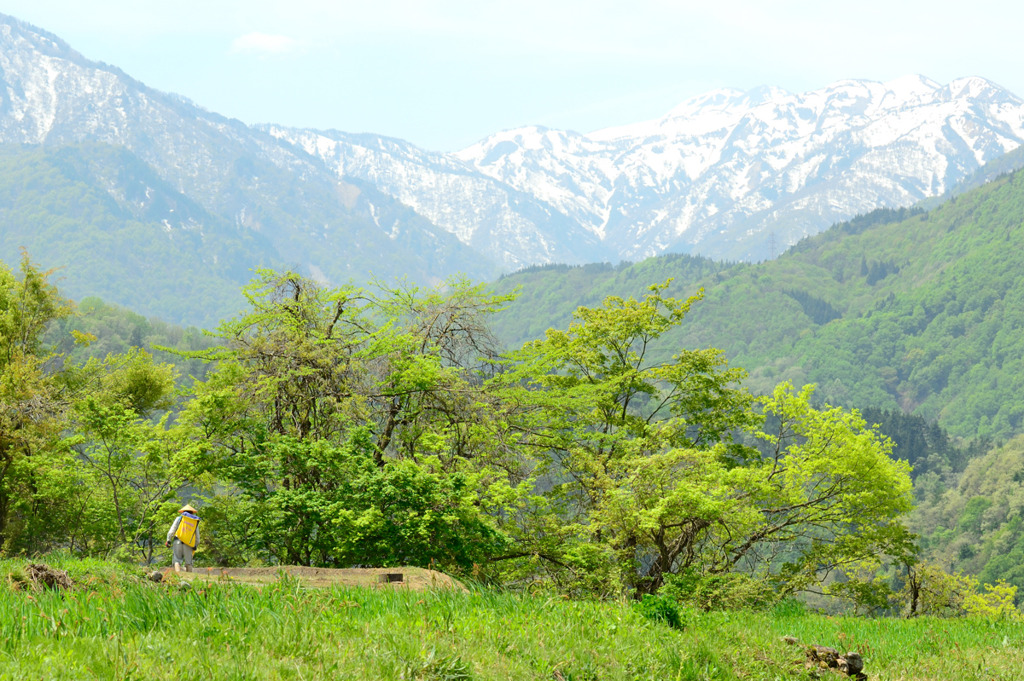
186, 531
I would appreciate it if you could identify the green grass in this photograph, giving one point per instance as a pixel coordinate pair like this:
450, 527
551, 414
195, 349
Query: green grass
122, 627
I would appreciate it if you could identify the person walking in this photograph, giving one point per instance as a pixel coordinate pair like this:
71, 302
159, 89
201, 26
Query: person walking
184, 533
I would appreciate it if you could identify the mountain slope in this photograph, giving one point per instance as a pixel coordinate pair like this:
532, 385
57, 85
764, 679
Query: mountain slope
483, 212
901, 309
728, 173
100, 215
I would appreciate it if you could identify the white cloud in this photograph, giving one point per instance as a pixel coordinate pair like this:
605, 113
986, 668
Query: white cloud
263, 43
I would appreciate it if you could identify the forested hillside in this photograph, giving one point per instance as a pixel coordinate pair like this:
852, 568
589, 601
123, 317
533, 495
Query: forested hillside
975, 524
547, 295
910, 310
98, 329
98, 214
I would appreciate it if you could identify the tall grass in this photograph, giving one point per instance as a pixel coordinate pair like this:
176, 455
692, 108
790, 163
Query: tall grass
120, 626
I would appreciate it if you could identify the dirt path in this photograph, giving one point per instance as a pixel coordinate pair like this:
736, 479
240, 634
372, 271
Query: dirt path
413, 578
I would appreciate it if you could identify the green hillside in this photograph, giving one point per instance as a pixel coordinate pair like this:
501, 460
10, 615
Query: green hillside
975, 526
548, 294
898, 309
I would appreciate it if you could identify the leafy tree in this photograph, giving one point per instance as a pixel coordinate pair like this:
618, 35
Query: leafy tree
930, 590
32, 405
285, 381
316, 384
84, 461
641, 462
427, 362
830, 494
129, 469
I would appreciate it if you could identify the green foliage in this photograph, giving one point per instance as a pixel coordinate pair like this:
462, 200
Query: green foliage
341, 509
660, 608
611, 429
970, 517
640, 458
342, 427
412, 515
877, 271
975, 526
867, 586
993, 601
879, 216
129, 479
32, 409
927, 447
547, 295
820, 311
930, 590
85, 460
828, 468
98, 330
351, 428
719, 591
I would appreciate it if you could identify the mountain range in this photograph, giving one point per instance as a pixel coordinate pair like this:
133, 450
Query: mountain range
729, 174
146, 199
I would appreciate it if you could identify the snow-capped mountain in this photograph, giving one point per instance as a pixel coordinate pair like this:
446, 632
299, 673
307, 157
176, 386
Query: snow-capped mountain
292, 210
728, 174
511, 226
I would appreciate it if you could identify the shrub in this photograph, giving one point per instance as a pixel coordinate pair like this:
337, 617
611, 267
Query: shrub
658, 608
729, 591
930, 590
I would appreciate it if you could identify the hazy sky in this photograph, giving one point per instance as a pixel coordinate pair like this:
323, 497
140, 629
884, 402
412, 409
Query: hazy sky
443, 74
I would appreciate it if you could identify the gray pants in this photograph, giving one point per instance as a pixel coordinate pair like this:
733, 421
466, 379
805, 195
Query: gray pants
182, 555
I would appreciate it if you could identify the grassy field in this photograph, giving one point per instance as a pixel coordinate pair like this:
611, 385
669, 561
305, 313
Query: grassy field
115, 625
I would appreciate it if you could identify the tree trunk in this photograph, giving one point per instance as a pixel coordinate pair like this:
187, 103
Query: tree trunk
914, 584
